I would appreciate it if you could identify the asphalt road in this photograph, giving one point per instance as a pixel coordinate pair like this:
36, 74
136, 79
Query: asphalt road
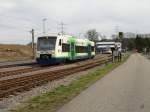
125, 89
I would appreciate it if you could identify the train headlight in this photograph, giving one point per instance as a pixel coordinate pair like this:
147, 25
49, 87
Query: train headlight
38, 54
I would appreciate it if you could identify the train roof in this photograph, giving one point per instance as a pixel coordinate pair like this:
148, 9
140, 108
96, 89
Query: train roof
52, 35
66, 36
106, 46
107, 43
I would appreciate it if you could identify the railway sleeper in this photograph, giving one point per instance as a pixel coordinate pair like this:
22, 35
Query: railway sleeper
22, 80
59, 73
39, 82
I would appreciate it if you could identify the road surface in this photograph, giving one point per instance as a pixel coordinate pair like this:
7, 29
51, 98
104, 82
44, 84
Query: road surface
125, 89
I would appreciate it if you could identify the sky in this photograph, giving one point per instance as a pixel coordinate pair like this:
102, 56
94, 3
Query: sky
18, 17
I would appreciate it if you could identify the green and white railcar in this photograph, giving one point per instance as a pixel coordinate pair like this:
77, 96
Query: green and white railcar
61, 48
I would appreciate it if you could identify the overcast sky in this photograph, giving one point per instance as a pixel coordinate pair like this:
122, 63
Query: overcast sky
18, 17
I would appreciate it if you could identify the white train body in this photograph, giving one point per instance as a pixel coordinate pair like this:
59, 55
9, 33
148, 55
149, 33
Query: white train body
58, 48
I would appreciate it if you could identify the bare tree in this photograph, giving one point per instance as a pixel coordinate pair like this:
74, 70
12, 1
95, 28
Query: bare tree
92, 35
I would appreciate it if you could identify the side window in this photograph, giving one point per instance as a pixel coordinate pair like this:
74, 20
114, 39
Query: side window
92, 48
65, 47
81, 49
59, 42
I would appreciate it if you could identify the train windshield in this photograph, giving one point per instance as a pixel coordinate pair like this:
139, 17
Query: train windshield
46, 43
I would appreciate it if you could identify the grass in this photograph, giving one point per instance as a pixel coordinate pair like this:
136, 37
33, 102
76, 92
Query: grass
52, 101
13, 52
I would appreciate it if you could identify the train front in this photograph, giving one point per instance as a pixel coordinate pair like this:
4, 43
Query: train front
46, 50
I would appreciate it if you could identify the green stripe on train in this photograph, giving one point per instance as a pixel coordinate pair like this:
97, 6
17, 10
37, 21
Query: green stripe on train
72, 53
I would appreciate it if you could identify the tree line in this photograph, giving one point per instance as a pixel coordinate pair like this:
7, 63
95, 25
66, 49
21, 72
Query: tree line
139, 43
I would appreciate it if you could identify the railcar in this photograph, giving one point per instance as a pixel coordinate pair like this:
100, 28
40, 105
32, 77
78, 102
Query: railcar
61, 48
105, 47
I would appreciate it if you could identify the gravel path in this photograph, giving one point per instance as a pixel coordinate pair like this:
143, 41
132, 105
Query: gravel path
126, 89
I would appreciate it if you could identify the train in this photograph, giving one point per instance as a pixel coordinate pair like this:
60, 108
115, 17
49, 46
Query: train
105, 47
52, 49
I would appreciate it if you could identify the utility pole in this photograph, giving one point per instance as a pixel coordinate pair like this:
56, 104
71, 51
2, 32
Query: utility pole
44, 29
62, 28
33, 47
117, 31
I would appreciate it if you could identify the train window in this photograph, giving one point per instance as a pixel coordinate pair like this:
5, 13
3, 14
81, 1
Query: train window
92, 48
65, 47
59, 42
44, 43
81, 49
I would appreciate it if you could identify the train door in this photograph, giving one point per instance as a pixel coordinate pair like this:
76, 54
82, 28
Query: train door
89, 51
72, 50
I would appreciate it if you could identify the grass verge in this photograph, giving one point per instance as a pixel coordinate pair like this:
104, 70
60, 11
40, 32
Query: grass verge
52, 101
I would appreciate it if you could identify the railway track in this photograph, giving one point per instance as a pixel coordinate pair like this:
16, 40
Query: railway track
19, 71
4, 72
11, 85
